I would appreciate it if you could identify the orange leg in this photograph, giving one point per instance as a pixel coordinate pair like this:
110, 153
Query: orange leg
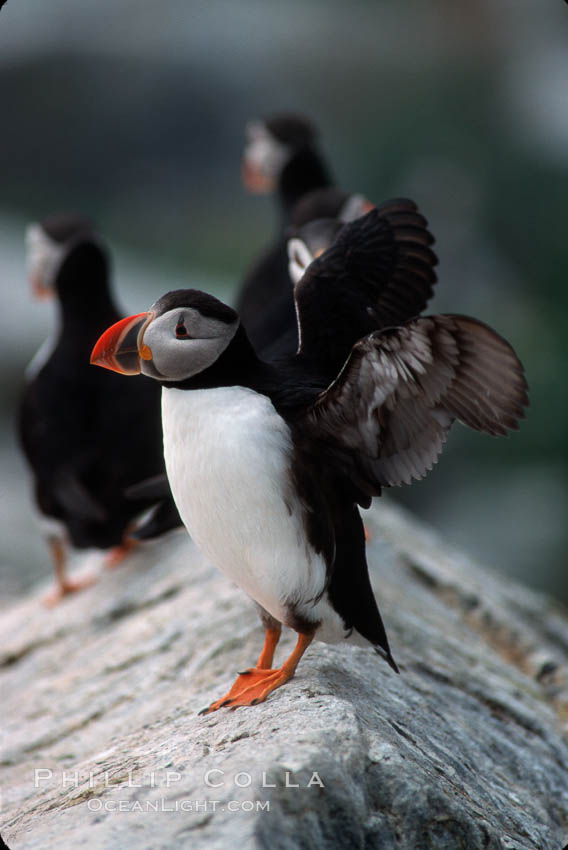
256, 684
117, 554
270, 641
368, 535
64, 585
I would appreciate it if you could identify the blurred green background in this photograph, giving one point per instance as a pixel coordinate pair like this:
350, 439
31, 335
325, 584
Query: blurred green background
133, 112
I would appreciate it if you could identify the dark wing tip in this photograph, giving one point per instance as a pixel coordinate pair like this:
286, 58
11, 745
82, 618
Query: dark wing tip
490, 392
386, 655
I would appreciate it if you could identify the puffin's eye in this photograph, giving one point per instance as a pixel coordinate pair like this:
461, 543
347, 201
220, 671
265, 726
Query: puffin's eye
181, 331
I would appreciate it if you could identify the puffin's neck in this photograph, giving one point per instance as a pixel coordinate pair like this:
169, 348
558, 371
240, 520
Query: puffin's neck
83, 290
98, 308
305, 171
238, 365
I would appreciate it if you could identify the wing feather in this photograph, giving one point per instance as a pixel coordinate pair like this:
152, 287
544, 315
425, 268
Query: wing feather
378, 272
400, 390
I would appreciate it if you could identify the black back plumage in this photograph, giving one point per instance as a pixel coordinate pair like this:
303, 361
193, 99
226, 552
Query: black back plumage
87, 434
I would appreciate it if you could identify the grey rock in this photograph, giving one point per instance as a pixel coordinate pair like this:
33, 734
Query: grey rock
102, 746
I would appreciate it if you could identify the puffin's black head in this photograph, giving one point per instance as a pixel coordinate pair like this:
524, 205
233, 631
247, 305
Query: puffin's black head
64, 228
271, 144
292, 129
182, 334
64, 253
329, 202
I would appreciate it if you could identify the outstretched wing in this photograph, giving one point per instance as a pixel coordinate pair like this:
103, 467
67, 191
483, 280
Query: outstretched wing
387, 415
379, 272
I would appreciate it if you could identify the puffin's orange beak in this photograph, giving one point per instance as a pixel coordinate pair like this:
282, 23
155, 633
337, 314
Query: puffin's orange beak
254, 180
39, 289
120, 347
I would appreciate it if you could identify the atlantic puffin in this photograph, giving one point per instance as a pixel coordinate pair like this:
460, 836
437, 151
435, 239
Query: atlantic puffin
281, 157
86, 435
269, 461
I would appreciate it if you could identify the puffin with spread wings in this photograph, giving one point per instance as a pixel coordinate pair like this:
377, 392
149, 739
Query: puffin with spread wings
269, 461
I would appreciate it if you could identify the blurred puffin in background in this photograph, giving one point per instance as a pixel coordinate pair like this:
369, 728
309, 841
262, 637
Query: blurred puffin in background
316, 219
281, 157
86, 435
279, 455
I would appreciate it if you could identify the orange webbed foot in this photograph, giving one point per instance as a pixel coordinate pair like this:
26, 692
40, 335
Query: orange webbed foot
118, 554
66, 588
254, 685
251, 687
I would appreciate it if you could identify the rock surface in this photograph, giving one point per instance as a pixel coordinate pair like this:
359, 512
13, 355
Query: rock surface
102, 746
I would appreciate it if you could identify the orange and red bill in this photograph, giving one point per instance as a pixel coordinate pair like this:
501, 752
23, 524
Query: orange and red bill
121, 347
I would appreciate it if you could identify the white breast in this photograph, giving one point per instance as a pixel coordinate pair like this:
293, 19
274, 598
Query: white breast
227, 455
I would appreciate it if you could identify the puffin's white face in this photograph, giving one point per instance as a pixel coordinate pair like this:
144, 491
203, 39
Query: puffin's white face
181, 343
264, 157
43, 256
